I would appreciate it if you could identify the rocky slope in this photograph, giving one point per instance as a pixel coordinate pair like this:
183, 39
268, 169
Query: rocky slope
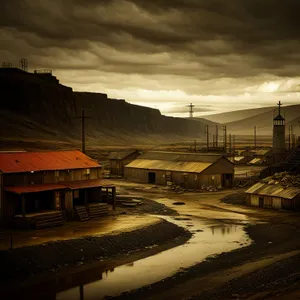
35, 107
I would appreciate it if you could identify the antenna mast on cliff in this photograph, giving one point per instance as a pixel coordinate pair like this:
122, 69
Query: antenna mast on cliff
24, 64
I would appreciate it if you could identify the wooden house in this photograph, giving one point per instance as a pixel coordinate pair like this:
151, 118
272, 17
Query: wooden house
41, 189
189, 170
120, 159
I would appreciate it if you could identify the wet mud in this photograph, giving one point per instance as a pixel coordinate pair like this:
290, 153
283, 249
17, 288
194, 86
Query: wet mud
27, 262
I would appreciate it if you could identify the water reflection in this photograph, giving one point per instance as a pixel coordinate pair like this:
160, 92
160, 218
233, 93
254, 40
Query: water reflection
208, 239
224, 229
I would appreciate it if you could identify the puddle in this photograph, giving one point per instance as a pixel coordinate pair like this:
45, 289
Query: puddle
208, 239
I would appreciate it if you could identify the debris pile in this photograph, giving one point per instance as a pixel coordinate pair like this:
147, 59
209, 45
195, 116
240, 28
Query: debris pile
179, 189
211, 188
284, 179
129, 202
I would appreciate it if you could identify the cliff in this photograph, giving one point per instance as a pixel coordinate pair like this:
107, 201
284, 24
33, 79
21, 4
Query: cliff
37, 107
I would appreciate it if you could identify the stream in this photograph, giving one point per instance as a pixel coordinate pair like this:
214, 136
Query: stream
209, 238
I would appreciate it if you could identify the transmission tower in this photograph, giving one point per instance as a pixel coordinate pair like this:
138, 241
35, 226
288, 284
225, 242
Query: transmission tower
191, 105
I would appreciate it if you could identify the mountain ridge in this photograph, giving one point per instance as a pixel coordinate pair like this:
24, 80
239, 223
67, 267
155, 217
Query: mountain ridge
38, 107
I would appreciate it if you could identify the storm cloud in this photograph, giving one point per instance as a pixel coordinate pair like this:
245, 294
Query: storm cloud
160, 51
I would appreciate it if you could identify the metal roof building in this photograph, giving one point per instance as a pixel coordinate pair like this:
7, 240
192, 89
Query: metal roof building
41, 189
274, 196
190, 170
119, 159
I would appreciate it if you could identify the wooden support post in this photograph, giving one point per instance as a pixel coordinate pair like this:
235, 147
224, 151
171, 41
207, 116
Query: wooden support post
106, 195
69, 204
36, 204
81, 291
23, 206
100, 200
114, 200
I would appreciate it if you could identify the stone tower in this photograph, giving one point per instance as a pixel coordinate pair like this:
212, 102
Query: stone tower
279, 148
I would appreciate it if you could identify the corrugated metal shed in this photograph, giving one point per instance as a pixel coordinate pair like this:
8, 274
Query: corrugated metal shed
256, 161
73, 185
180, 156
275, 190
238, 158
121, 154
189, 167
45, 161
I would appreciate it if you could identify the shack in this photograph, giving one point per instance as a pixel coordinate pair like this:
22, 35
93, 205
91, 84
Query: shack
42, 189
119, 159
189, 170
275, 196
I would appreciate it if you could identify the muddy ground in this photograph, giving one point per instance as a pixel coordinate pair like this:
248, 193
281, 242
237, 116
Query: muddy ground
25, 262
267, 269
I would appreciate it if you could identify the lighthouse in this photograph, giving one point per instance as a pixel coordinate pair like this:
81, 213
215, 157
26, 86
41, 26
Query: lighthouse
279, 148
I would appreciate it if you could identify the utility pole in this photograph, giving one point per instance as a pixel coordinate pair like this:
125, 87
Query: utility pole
290, 137
83, 117
254, 137
230, 143
195, 146
213, 141
233, 145
217, 136
207, 138
225, 138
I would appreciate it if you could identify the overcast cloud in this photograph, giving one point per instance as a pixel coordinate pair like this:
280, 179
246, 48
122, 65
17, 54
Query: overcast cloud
219, 54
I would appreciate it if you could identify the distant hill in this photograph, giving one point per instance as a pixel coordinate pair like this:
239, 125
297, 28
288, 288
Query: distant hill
264, 122
205, 121
37, 108
237, 115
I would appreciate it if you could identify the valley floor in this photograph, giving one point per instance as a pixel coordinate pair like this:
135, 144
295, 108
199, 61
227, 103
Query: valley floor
268, 268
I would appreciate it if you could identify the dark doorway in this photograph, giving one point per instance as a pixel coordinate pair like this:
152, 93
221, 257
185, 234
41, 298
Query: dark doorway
151, 177
227, 180
79, 197
261, 202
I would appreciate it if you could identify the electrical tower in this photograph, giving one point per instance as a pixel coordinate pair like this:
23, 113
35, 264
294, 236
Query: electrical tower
255, 137
207, 138
24, 64
191, 111
225, 138
6, 64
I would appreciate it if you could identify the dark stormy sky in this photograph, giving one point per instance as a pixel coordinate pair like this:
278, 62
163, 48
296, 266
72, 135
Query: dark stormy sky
219, 54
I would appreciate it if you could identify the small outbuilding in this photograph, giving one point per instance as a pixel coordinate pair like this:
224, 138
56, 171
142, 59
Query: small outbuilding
119, 159
274, 196
189, 170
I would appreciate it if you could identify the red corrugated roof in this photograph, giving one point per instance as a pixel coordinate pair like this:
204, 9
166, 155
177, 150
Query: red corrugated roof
73, 185
34, 188
45, 161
